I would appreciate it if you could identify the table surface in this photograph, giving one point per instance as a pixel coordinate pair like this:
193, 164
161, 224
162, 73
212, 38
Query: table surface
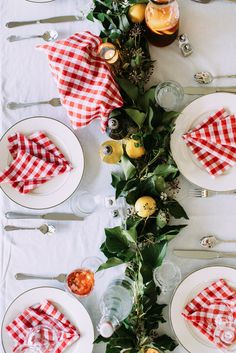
25, 76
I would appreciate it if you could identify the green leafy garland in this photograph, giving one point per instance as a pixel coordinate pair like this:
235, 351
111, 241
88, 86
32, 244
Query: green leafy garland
142, 243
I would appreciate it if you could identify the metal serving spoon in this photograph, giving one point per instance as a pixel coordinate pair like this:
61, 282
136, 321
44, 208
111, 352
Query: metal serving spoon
211, 241
22, 276
46, 229
48, 36
205, 77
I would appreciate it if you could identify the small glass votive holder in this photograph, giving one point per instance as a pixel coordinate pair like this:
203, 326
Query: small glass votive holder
108, 52
84, 203
169, 95
167, 276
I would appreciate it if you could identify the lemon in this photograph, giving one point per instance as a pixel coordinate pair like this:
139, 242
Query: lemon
151, 350
137, 13
145, 206
134, 151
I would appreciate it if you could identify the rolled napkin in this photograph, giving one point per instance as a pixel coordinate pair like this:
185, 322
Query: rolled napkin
48, 315
217, 300
85, 83
36, 160
213, 142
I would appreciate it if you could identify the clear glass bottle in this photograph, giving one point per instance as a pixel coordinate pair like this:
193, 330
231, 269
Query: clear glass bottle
162, 21
116, 304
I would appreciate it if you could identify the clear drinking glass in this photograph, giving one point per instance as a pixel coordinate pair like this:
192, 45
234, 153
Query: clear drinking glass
93, 263
169, 95
167, 276
84, 203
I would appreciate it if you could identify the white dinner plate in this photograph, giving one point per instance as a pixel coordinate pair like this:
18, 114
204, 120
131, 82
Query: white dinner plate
188, 336
59, 188
191, 116
66, 303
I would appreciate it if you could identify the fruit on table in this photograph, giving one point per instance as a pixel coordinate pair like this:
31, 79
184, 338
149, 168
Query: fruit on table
133, 149
81, 282
145, 206
151, 350
137, 13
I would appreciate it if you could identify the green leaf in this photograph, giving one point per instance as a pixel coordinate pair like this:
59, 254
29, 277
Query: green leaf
153, 256
115, 241
176, 210
90, 16
165, 170
112, 262
150, 117
165, 343
168, 117
101, 17
169, 232
116, 178
136, 115
129, 88
148, 98
128, 168
123, 23
120, 187
160, 184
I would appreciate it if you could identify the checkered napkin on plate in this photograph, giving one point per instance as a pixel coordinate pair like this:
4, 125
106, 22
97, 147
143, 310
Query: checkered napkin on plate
213, 142
85, 83
35, 161
217, 300
48, 315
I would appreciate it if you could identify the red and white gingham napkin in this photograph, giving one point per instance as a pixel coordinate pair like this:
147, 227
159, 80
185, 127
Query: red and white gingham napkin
213, 142
35, 161
216, 300
48, 315
85, 83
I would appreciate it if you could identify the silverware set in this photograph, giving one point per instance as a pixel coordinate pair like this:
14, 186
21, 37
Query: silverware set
24, 276
46, 229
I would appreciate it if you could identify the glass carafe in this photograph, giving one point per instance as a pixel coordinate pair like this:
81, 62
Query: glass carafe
162, 21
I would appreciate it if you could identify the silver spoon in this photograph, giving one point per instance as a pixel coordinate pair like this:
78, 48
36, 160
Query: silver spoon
54, 102
46, 229
205, 77
211, 241
22, 276
48, 36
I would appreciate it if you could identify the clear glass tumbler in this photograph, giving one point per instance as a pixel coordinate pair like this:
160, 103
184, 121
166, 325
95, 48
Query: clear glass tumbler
169, 95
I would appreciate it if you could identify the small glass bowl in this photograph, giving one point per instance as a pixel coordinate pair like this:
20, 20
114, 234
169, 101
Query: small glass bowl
74, 276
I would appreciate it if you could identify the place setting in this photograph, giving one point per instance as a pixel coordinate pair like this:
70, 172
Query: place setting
114, 286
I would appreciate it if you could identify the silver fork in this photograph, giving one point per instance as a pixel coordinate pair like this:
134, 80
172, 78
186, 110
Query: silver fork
203, 193
54, 102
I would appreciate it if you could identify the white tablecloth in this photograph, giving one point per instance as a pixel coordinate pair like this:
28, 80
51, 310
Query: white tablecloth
25, 76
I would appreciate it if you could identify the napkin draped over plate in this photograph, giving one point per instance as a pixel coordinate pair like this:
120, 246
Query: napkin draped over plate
48, 315
213, 142
85, 83
36, 160
217, 300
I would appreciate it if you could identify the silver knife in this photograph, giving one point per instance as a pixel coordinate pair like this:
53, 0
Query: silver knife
49, 216
208, 90
45, 20
203, 254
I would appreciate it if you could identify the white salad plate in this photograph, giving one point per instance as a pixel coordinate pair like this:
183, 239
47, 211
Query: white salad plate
66, 303
188, 336
40, 1
59, 188
190, 117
